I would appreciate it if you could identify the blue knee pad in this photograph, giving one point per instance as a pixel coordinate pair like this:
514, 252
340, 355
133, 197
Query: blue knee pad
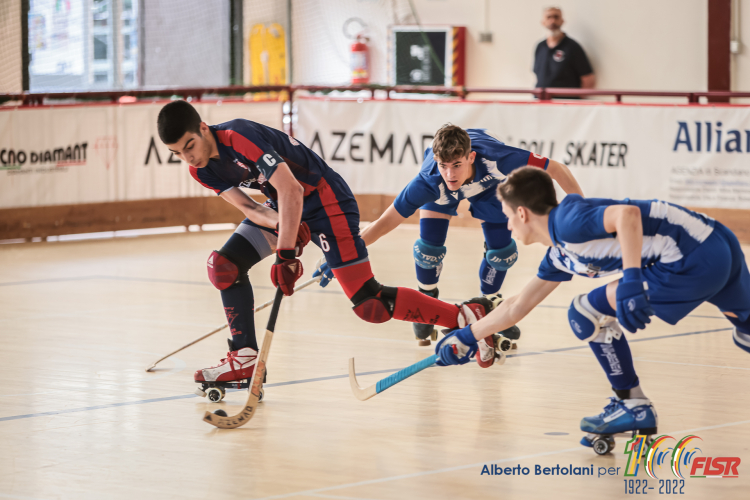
582, 320
741, 339
605, 339
741, 333
428, 256
502, 259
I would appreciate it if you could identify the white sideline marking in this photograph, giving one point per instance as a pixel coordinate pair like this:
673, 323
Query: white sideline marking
316, 491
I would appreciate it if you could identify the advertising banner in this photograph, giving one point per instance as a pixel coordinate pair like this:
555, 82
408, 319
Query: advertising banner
88, 154
690, 155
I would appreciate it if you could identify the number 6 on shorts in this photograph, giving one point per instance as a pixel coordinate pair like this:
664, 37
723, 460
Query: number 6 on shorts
323, 243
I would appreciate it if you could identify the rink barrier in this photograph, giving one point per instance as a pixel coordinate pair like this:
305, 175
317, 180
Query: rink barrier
42, 222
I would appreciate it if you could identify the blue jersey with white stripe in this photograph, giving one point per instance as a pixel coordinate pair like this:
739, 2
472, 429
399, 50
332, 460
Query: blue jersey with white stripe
582, 246
493, 162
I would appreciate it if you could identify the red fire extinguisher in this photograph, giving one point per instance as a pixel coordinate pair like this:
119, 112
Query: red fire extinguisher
360, 61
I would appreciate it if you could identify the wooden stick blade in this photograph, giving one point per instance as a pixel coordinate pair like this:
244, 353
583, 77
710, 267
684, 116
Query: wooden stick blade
248, 412
253, 397
359, 393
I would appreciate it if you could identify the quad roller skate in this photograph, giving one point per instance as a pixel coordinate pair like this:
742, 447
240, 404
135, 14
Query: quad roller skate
502, 344
215, 391
619, 416
233, 372
423, 332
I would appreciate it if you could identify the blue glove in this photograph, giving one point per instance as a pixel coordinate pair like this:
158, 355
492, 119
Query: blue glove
456, 348
633, 307
325, 270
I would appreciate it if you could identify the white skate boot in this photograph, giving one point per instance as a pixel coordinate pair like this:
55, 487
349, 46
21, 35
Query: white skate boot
235, 371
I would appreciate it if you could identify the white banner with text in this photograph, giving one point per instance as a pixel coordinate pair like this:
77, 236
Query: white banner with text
697, 156
100, 153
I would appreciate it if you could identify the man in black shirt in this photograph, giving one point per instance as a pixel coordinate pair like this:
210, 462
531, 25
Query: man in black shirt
559, 61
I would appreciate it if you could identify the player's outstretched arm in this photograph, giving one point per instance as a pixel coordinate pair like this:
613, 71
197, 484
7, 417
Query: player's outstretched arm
259, 214
386, 223
514, 309
564, 177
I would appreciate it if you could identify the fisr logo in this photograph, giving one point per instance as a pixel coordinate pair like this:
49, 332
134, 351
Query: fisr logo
715, 467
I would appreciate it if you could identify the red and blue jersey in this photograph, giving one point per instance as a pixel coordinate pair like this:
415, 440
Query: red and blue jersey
249, 154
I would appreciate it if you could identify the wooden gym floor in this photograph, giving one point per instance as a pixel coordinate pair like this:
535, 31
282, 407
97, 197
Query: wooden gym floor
80, 418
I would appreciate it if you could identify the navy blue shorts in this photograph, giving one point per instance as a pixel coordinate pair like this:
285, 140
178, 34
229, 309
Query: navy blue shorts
485, 206
715, 272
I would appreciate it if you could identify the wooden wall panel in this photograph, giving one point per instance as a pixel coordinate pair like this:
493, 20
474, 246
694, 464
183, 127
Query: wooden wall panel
736, 220
96, 217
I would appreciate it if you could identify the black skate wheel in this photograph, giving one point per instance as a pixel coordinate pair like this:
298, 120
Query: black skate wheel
220, 413
260, 398
513, 333
603, 445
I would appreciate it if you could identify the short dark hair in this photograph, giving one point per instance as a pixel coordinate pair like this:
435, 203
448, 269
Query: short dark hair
529, 187
451, 142
175, 119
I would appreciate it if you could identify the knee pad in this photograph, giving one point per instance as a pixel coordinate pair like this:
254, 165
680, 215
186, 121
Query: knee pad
741, 339
374, 302
222, 272
428, 256
589, 325
502, 259
231, 264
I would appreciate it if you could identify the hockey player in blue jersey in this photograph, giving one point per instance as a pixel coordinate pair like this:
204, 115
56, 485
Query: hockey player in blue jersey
683, 258
462, 165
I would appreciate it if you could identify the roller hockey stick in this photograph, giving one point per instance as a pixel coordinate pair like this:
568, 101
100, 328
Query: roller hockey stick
257, 309
390, 380
253, 395
363, 394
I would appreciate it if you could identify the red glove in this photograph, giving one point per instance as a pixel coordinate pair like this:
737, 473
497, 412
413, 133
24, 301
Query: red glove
303, 237
286, 271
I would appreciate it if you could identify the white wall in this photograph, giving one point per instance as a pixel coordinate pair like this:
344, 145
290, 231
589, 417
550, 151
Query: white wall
741, 61
638, 44
186, 43
11, 79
